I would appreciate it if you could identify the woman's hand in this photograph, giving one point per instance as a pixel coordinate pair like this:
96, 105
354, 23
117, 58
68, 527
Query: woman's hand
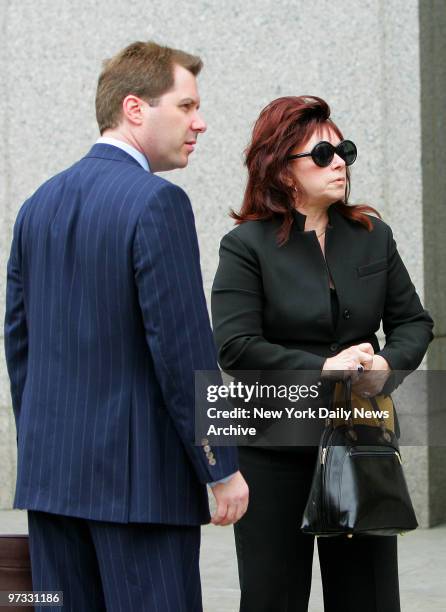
350, 358
372, 383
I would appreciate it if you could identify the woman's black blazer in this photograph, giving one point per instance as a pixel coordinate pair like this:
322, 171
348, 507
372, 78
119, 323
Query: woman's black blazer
271, 304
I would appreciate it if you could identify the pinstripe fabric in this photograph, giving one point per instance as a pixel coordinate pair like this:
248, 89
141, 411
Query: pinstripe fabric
105, 323
119, 568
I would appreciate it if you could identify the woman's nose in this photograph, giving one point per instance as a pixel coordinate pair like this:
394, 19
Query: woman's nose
337, 162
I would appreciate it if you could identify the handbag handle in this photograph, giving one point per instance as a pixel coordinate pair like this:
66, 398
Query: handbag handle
348, 404
348, 393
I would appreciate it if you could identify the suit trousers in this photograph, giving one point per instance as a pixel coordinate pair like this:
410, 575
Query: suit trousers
275, 558
134, 567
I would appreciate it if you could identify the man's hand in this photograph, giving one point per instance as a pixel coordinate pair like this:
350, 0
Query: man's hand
232, 500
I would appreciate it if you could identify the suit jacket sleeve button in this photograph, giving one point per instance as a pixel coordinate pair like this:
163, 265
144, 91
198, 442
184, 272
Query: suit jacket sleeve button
334, 347
346, 314
206, 448
204, 442
212, 462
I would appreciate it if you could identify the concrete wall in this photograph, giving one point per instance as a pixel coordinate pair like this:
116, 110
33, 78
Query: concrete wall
433, 163
363, 57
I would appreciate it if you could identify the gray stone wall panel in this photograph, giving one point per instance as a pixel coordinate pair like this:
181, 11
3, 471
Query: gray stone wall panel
433, 117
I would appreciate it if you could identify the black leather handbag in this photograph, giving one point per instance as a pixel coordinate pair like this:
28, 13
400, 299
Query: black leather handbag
358, 486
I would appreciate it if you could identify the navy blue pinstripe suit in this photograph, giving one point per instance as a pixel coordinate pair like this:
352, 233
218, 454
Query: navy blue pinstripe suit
106, 322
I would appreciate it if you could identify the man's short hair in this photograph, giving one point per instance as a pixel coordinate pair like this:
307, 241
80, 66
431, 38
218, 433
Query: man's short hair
144, 69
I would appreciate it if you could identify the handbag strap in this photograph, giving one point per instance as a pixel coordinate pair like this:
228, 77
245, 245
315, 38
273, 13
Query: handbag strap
348, 405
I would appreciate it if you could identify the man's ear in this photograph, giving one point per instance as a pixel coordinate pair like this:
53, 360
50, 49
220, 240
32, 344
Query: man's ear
132, 109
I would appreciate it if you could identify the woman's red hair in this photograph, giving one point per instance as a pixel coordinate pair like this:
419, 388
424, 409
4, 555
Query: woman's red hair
282, 126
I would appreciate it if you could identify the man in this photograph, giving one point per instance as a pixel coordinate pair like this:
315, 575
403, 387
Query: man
106, 322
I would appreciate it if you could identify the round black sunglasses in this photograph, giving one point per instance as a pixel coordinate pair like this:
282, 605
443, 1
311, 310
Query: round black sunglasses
323, 152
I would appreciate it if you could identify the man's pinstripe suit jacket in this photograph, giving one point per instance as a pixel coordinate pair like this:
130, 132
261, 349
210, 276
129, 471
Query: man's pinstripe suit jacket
106, 322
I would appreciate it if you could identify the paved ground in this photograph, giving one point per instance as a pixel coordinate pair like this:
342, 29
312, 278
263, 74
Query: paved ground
422, 562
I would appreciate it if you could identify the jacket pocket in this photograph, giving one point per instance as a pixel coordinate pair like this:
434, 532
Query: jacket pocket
372, 268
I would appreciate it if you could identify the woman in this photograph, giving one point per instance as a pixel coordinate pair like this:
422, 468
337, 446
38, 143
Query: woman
304, 282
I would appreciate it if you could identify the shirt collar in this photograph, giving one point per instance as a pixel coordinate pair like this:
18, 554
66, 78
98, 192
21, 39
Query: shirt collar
114, 142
